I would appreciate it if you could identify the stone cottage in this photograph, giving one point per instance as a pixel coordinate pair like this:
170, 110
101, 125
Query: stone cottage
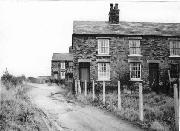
62, 67
127, 51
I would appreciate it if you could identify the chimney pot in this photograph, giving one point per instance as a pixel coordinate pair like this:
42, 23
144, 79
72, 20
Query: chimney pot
116, 6
114, 14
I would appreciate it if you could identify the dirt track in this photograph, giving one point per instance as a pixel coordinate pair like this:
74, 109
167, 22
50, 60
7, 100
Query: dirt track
70, 116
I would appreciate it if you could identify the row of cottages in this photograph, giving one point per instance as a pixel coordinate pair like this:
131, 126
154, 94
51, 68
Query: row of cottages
62, 67
129, 51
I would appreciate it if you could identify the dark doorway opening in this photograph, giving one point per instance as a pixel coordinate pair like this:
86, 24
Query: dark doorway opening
84, 71
84, 74
154, 76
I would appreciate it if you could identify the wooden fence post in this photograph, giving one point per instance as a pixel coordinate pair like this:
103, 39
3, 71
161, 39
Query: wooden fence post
104, 92
119, 96
140, 102
179, 92
85, 86
79, 87
0, 93
75, 86
93, 90
76, 90
176, 107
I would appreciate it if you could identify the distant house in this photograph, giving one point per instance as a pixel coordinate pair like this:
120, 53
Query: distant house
62, 66
111, 50
43, 79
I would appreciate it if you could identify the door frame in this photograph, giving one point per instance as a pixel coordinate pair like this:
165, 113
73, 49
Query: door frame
84, 65
157, 69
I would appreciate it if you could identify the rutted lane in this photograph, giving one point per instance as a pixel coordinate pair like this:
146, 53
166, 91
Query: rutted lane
68, 115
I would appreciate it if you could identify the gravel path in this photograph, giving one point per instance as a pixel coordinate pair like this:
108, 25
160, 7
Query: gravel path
71, 116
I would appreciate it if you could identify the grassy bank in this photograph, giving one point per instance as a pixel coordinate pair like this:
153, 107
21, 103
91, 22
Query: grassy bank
158, 109
16, 111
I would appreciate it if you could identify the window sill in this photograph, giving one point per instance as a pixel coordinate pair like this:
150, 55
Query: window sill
103, 55
136, 80
174, 56
103, 80
134, 55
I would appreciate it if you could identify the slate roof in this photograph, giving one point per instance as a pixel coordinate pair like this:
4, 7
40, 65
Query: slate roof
126, 28
62, 56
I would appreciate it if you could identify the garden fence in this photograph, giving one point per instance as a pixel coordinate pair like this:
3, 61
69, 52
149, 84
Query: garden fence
86, 87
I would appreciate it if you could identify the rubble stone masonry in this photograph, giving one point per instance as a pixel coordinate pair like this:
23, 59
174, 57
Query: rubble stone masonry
154, 49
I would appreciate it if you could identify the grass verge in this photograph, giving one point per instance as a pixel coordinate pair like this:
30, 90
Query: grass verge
17, 113
158, 109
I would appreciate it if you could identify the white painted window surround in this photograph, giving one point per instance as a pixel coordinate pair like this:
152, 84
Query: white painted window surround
56, 76
134, 47
62, 65
135, 71
175, 48
103, 46
104, 71
62, 74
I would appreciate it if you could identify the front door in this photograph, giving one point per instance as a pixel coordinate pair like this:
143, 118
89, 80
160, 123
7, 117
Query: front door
154, 76
84, 71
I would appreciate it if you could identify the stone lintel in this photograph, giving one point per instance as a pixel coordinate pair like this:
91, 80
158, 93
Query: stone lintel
103, 55
133, 38
103, 37
134, 60
153, 61
84, 60
174, 39
103, 60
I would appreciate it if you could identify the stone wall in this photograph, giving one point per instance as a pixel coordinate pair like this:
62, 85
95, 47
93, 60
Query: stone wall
55, 67
153, 48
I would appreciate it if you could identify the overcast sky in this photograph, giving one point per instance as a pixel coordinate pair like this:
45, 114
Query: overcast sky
30, 32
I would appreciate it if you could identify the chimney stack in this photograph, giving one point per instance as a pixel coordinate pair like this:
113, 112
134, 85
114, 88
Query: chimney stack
114, 14
70, 50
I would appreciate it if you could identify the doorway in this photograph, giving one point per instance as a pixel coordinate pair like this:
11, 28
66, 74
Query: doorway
84, 71
154, 76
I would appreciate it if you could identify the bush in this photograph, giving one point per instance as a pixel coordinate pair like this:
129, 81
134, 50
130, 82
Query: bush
16, 112
157, 126
11, 81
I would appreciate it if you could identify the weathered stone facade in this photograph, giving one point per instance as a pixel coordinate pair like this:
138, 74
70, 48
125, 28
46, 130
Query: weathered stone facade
56, 69
154, 49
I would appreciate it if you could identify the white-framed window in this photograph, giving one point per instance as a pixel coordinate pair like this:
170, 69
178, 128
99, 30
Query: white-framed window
174, 70
62, 65
62, 74
134, 47
135, 71
103, 46
70, 64
56, 76
103, 71
174, 48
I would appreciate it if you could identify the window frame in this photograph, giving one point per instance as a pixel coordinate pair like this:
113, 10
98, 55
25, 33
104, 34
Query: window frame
63, 76
174, 67
55, 75
104, 71
134, 47
136, 70
63, 65
103, 49
174, 47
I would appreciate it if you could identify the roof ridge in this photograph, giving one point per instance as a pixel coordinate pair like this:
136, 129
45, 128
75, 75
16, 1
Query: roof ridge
126, 22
